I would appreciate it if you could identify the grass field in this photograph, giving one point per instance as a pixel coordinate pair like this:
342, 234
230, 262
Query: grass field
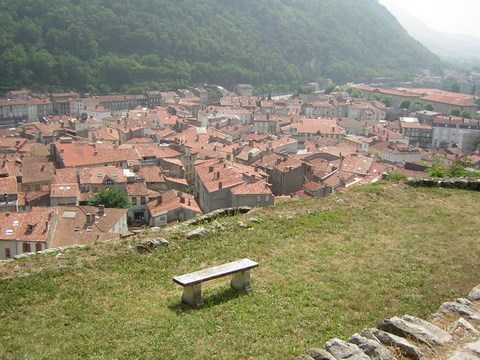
328, 268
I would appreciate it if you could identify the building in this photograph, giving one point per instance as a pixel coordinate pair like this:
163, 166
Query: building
221, 184
172, 206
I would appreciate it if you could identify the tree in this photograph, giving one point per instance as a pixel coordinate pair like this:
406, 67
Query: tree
429, 107
466, 114
455, 112
405, 104
455, 88
329, 89
111, 198
387, 100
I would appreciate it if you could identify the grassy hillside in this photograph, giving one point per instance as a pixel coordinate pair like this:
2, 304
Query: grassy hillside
105, 45
328, 268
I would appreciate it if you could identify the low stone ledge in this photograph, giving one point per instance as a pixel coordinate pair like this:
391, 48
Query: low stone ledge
450, 183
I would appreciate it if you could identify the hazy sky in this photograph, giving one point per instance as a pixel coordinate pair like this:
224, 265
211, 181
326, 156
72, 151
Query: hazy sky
452, 16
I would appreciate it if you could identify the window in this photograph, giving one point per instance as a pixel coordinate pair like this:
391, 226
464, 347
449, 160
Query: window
143, 200
134, 200
38, 247
26, 248
8, 253
259, 198
267, 198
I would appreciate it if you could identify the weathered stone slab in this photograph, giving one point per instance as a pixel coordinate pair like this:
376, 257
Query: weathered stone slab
199, 232
474, 294
462, 324
416, 328
343, 350
462, 307
374, 349
388, 339
320, 354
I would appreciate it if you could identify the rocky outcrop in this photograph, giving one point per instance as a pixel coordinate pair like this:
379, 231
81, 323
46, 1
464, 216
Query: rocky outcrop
410, 337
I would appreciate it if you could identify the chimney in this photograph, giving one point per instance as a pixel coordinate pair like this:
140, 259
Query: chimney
101, 210
218, 174
182, 200
220, 185
42, 168
189, 202
210, 169
159, 200
90, 218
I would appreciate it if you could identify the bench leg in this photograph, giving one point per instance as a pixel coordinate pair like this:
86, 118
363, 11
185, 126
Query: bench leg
241, 281
192, 295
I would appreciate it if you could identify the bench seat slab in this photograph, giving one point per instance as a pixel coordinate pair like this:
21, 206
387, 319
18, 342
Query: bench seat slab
215, 272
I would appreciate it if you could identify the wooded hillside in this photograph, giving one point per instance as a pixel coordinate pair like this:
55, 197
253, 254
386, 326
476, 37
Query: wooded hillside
108, 45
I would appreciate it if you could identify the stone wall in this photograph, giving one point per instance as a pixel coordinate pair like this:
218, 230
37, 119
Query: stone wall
450, 183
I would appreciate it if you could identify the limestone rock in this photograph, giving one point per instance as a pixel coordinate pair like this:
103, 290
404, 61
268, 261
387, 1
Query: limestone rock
304, 357
16, 268
388, 339
372, 348
343, 350
241, 224
418, 329
198, 232
216, 224
462, 324
320, 354
151, 244
254, 220
462, 355
474, 294
462, 307
474, 347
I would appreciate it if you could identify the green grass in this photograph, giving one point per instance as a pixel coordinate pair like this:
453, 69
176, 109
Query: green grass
328, 268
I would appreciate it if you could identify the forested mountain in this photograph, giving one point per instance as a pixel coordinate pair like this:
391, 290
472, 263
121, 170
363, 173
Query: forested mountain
111, 45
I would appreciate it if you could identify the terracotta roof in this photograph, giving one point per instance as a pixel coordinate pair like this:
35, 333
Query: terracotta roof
97, 175
259, 187
31, 226
64, 191
169, 200
72, 227
37, 169
137, 189
8, 185
312, 126
65, 176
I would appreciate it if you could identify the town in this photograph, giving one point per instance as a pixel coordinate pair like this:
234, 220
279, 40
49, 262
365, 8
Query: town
178, 154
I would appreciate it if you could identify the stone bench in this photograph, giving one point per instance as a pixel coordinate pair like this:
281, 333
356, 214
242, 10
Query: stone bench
192, 290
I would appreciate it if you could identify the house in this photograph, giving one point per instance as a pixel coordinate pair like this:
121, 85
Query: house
420, 135
220, 184
396, 152
36, 172
139, 196
26, 232
8, 194
81, 225
104, 177
307, 128
64, 194
172, 206
451, 131
243, 89
153, 178
287, 174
